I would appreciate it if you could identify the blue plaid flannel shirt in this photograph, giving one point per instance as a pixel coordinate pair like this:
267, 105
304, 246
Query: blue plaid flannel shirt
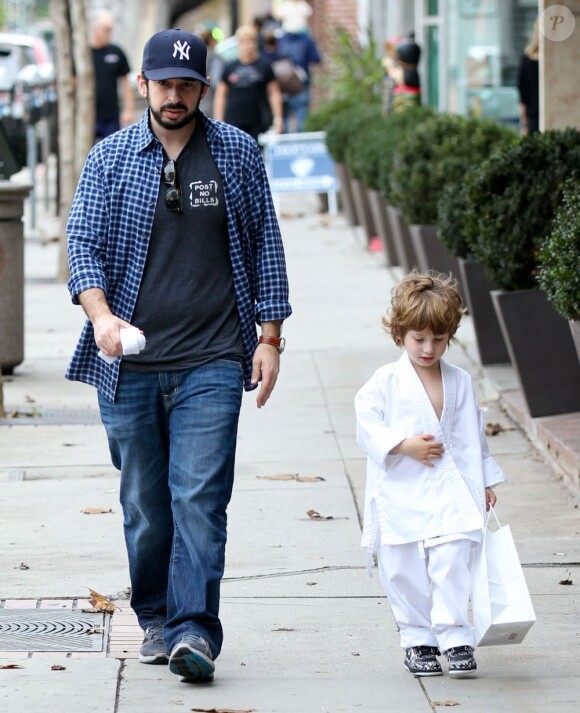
110, 223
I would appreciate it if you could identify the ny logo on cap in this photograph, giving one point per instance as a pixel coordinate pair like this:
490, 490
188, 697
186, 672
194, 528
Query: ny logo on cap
183, 49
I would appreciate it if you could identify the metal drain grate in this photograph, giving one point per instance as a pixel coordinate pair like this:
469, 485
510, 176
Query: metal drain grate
29, 416
51, 630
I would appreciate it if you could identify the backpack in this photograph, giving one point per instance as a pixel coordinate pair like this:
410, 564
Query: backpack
289, 76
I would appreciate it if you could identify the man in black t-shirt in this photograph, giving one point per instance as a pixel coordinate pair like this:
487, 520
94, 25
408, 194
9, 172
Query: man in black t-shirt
248, 95
111, 67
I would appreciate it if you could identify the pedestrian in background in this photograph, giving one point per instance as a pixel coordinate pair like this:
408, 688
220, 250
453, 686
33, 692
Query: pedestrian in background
173, 239
248, 95
215, 65
301, 48
293, 15
429, 476
529, 85
111, 73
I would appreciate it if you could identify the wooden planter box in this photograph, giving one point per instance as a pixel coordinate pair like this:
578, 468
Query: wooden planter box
383, 227
406, 257
346, 199
477, 286
542, 351
363, 209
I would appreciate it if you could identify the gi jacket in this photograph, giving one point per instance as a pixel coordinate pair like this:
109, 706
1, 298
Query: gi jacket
405, 500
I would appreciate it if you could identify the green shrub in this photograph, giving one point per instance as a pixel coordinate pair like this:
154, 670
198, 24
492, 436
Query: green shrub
488, 137
451, 209
396, 127
357, 72
438, 152
320, 118
511, 201
345, 125
364, 150
559, 260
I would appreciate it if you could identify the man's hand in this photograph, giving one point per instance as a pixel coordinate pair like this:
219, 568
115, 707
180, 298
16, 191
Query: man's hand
266, 363
105, 325
490, 498
422, 448
107, 334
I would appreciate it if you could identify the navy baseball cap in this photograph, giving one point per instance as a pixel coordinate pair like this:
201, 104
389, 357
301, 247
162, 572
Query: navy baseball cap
175, 54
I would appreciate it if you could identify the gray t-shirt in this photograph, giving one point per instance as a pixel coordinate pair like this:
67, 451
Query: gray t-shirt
186, 305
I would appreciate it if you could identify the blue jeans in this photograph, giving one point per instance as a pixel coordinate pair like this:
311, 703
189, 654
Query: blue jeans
296, 107
173, 437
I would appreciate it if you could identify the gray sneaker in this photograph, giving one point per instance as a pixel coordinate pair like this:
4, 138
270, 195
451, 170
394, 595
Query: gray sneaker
153, 649
192, 659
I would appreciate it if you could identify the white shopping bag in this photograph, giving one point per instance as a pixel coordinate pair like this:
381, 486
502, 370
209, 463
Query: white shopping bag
500, 602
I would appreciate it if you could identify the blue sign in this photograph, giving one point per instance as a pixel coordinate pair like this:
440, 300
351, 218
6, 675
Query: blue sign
300, 162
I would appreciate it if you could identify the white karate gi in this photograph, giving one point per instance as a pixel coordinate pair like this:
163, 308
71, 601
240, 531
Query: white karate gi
408, 502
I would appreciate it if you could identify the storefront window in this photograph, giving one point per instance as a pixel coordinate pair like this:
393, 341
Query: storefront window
432, 7
485, 39
432, 37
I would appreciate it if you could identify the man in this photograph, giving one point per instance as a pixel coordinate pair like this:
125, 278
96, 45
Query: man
111, 68
302, 50
173, 230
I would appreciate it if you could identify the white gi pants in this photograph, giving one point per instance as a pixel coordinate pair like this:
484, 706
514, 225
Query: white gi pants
429, 594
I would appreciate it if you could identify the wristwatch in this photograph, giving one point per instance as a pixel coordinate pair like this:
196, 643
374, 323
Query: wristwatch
278, 342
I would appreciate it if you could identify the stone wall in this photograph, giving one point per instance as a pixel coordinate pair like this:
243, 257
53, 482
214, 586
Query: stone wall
559, 63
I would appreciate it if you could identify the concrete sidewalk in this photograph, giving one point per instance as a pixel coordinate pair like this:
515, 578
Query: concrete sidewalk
305, 628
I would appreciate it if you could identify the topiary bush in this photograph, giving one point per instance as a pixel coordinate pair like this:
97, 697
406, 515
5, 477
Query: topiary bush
436, 153
397, 125
451, 209
320, 118
364, 150
559, 259
511, 201
345, 127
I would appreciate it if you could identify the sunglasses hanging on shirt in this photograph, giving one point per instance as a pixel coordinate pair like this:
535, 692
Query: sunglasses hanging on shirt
173, 195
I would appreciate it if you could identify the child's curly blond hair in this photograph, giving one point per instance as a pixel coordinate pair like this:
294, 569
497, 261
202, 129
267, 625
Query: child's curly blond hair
427, 300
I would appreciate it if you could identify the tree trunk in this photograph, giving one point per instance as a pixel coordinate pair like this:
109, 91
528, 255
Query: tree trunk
76, 110
85, 85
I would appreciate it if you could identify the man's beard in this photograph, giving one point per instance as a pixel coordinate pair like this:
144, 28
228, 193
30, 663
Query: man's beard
172, 125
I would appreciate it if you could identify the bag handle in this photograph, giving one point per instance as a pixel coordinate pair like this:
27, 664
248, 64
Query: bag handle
488, 514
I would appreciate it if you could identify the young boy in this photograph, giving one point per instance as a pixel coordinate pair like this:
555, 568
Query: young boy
429, 476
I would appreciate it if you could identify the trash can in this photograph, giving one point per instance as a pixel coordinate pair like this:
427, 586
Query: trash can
9, 163
12, 197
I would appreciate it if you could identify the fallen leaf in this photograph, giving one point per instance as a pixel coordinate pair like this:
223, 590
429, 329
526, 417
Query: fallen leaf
11, 666
282, 476
95, 630
566, 581
101, 603
96, 511
22, 565
292, 476
283, 629
492, 429
559, 554
29, 399
224, 710
57, 667
313, 515
446, 703
355, 653
311, 584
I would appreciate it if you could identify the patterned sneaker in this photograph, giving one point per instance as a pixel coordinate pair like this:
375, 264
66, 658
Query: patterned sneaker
422, 661
192, 659
153, 648
461, 661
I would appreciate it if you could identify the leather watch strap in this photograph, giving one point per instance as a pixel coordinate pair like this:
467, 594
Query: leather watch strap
278, 342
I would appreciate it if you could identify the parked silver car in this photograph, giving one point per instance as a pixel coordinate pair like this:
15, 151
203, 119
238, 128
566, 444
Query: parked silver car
27, 84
